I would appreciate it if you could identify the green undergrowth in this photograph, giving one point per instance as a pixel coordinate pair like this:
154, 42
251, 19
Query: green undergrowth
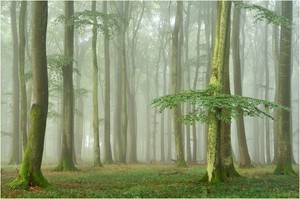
153, 181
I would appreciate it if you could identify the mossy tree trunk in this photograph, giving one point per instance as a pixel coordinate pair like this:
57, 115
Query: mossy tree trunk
175, 87
16, 157
23, 96
245, 160
219, 158
107, 145
66, 162
284, 163
30, 172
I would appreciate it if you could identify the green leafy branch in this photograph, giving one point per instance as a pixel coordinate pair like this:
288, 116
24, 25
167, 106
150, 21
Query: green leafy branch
210, 101
106, 23
265, 14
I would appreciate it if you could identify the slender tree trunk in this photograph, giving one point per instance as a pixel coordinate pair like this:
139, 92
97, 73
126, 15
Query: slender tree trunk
245, 160
23, 96
188, 81
148, 131
16, 157
275, 47
66, 162
97, 160
108, 154
284, 164
175, 87
124, 121
30, 173
267, 84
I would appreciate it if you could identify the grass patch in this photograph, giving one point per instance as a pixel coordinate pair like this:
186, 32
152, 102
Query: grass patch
153, 181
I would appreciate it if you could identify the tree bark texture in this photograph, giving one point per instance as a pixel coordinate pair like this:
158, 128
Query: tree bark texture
30, 173
16, 156
219, 158
245, 160
107, 133
284, 163
97, 160
175, 87
23, 96
66, 162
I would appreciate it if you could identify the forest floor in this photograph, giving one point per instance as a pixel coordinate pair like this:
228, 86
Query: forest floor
153, 181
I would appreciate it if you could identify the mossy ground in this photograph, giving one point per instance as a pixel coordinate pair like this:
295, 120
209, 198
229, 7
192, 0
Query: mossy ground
153, 181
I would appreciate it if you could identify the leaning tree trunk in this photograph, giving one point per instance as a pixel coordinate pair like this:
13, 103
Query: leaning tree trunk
30, 173
66, 162
175, 87
284, 163
245, 160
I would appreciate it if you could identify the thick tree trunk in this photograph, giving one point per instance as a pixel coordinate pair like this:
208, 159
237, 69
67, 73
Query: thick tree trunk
16, 157
175, 87
284, 164
219, 158
30, 172
66, 162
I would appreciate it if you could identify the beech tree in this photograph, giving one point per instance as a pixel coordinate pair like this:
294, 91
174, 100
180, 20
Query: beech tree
176, 87
284, 163
66, 162
30, 173
16, 157
218, 102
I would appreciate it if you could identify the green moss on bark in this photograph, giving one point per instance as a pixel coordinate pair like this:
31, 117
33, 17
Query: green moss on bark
30, 172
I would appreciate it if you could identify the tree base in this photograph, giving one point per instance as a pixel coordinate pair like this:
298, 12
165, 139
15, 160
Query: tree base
220, 175
65, 166
246, 166
285, 169
23, 181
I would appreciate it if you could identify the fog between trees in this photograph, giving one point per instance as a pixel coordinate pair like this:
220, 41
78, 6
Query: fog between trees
140, 58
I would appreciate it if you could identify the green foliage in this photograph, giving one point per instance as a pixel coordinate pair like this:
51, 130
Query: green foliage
156, 181
105, 23
209, 100
265, 14
56, 62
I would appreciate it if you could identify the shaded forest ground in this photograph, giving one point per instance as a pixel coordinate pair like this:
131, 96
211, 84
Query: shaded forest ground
154, 181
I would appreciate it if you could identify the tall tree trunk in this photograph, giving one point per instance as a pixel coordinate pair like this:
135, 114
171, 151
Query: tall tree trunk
194, 127
284, 164
23, 96
16, 157
245, 160
30, 173
148, 131
175, 87
267, 87
66, 162
219, 158
107, 148
275, 51
97, 160
188, 81
124, 122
